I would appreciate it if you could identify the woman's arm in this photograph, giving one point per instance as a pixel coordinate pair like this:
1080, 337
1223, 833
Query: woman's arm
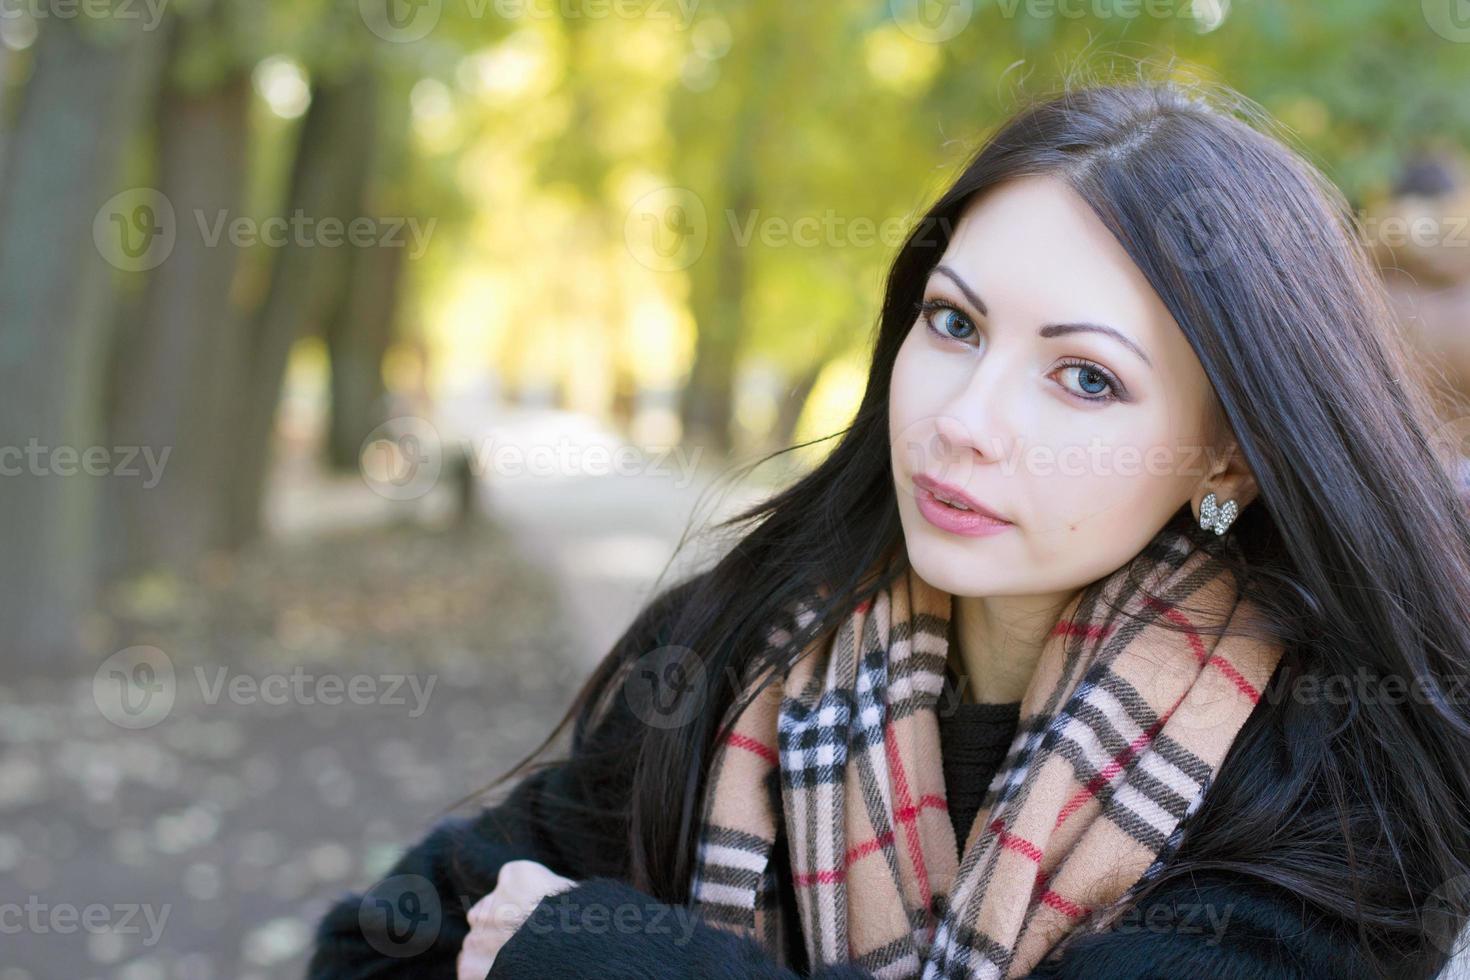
414, 919
570, 817
1221, 927
605, 928
1218, 925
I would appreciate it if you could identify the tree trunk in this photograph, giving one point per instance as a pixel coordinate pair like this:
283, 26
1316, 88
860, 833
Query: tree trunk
174, 387
7, 62
360, 325
326, 181
76, 114
783, 434
718, 303
357, 338
728, 186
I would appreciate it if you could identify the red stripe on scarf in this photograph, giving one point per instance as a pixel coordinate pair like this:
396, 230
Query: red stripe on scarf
749, 744
909, 811
857, 852
1015, 843
1228, 669
1224, 666
1090, 631
827, 877
830, 876
1063, 905
1195, 643
1107, 772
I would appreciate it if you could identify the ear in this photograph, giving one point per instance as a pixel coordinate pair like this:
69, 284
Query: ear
1228, 476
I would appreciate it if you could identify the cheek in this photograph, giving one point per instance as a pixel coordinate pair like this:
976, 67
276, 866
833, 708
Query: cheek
911, 396
905, 390
1096, 528
1100, 498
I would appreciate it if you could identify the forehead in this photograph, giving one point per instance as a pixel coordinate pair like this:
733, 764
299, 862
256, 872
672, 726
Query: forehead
1035, 253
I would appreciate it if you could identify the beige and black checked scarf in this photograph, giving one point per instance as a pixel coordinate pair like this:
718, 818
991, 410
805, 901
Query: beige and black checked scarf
1122, 728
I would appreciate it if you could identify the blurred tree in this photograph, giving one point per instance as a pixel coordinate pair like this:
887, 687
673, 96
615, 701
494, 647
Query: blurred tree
327, 180
717, 162
176, 378
90, 83
7, 66
359, 321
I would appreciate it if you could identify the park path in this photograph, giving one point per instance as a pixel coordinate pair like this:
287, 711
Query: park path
236, 819
605, 537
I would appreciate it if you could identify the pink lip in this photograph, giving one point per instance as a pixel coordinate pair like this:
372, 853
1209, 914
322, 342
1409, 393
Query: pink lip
978, 521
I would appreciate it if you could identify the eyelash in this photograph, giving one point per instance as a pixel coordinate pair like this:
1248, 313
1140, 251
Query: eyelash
929, 307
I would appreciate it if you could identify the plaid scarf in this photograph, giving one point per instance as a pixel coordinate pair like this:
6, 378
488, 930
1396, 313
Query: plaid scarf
1122, 727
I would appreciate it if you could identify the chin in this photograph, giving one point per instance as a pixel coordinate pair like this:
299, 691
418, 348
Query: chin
957, 573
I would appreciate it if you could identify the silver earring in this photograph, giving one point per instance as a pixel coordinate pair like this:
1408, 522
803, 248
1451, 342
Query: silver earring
1216, 518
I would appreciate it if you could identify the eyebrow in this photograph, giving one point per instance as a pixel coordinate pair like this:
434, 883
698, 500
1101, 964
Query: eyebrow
1050, 329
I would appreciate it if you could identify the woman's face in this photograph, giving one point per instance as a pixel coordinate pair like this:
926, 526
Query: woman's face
1047, 381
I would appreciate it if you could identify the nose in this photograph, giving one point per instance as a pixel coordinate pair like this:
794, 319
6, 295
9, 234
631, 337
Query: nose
977, 422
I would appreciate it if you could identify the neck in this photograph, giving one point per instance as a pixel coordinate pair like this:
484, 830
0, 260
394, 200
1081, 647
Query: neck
996, 641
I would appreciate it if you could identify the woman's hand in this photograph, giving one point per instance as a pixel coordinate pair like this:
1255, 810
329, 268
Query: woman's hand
519, 888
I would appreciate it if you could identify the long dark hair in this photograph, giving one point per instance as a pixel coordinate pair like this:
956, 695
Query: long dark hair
1357, 547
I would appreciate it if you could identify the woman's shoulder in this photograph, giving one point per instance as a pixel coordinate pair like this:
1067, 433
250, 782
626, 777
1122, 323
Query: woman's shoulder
1263, 881
1216, 924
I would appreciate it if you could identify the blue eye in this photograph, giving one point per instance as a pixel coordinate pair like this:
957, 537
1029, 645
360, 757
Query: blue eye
1096, 384
952, 323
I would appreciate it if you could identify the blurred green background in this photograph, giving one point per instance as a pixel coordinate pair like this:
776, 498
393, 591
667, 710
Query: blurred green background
406, 338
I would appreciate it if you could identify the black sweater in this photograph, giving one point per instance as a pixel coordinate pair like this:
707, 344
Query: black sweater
973, 739
572, 818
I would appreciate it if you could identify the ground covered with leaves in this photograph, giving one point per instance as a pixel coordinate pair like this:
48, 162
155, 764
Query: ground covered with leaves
261, 738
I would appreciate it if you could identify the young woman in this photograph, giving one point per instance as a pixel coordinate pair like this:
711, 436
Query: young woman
1119, 636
